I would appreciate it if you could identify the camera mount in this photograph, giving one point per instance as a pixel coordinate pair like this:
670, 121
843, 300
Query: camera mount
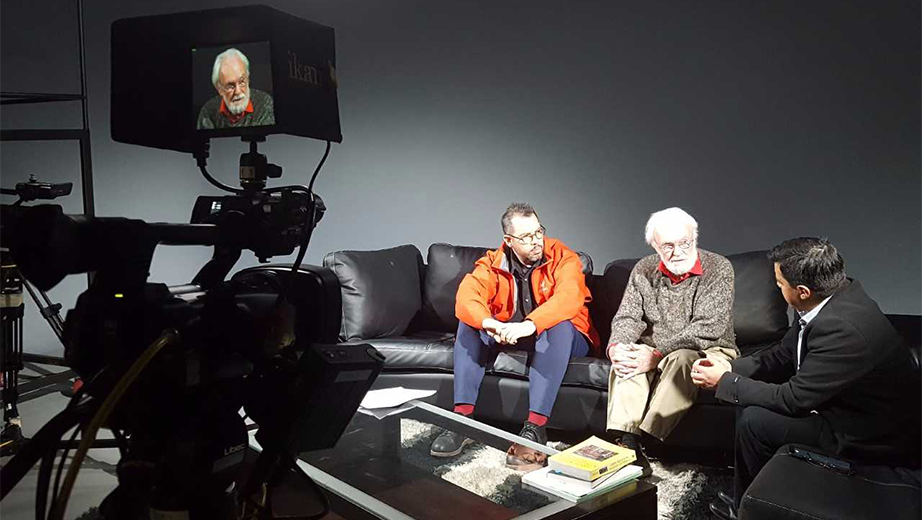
255, 168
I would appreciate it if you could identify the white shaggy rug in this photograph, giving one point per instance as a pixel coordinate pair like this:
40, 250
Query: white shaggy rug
683, 490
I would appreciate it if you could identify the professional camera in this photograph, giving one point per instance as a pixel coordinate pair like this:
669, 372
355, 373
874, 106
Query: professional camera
168, 369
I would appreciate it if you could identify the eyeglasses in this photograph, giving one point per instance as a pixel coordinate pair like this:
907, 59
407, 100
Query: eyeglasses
684, 245
231, 87
530, 238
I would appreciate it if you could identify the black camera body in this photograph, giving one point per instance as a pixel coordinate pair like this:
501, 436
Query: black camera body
268, 223
263, 341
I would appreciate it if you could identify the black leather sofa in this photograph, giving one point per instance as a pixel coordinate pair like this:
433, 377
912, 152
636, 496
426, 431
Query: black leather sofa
404, 307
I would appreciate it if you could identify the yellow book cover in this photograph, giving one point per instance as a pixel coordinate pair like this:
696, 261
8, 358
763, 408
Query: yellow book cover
591, 459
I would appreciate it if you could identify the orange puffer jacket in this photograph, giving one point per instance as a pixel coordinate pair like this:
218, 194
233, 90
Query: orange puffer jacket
558, 284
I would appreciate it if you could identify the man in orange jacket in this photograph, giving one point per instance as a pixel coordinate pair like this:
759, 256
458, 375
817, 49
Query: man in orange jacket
530, 294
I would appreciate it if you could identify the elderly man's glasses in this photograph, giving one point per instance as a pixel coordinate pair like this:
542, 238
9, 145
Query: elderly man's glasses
684, 245
231, 87
530, 238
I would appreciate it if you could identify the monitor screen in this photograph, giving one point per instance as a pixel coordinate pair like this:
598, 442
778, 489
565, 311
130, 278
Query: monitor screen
232, 86
229, 72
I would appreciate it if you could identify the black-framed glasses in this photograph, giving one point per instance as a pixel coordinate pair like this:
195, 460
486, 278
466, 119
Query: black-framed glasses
530, 238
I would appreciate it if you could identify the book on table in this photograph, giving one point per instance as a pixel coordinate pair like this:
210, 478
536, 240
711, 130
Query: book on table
578, 491
578, 482
592, 458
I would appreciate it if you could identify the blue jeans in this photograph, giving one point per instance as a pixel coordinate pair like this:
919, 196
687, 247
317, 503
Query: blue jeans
475, 350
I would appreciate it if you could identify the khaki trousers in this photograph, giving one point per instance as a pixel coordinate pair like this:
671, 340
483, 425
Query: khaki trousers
655, 402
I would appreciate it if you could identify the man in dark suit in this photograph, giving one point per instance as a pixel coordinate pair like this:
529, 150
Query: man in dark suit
837, 380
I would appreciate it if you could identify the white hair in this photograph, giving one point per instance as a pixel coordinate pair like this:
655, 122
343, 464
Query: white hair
219, 59
675, 215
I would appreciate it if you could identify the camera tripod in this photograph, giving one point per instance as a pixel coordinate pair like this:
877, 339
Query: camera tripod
12, 359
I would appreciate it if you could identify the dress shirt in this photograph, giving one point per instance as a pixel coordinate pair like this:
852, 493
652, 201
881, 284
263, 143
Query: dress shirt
806, 318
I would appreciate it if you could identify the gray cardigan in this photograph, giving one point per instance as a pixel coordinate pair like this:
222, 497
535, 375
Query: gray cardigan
695, 314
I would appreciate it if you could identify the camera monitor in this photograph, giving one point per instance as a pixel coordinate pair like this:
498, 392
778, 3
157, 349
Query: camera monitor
180, 79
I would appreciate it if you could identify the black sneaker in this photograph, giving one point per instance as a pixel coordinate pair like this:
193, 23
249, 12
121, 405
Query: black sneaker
534, 433
448, 444
632, 441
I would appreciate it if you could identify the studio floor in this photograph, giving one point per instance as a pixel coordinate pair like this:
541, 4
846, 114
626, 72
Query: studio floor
95, 480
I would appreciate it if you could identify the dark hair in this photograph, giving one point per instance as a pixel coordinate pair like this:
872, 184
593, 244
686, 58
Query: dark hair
522, 209
812, 262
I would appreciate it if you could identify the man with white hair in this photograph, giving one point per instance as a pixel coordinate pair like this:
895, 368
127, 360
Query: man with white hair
676, 309
236, 105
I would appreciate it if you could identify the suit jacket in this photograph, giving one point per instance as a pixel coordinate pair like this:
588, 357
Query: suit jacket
854, 372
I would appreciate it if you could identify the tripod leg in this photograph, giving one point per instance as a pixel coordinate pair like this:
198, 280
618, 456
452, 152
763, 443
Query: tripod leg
50, 311
11, 314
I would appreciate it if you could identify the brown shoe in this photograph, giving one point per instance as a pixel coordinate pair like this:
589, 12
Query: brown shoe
523, 458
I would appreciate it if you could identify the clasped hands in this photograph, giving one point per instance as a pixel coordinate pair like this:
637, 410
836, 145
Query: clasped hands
508, 333
630, 359
706, 371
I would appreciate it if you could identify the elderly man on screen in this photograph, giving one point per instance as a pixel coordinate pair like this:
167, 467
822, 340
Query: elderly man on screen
676, 309
237, 103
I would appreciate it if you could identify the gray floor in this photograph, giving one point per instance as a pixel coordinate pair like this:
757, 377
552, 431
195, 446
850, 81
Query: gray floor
95, 480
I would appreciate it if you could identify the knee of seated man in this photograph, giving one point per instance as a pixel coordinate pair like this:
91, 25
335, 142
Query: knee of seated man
563, 326
683, 357
752, 417
562, 331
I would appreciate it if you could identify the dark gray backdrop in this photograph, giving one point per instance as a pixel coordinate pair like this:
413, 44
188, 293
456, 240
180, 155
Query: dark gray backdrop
765, 120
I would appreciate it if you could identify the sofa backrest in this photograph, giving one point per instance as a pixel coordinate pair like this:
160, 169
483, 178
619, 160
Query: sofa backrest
383, 290
446, 266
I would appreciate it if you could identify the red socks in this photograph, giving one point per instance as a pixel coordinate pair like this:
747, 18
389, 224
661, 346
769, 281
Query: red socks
468, 409
537, 419
464, 409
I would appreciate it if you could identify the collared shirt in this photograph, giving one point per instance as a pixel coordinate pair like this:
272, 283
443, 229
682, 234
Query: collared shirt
525, 299
806, 318
696, 270
234, 118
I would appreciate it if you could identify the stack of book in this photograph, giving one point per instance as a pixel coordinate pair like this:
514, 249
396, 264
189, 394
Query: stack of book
585, 470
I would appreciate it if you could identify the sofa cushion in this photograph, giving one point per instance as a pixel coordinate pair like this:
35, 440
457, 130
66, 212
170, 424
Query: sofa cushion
446, 266
760, 314
380, 290
417, 352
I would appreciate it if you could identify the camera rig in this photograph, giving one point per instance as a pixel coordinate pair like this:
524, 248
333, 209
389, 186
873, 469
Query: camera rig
168, 369
12, 312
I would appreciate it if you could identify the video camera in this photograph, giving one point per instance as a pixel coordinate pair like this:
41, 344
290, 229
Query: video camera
168, 369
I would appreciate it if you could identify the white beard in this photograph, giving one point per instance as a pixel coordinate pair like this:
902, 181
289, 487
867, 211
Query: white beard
682, 266
237, 107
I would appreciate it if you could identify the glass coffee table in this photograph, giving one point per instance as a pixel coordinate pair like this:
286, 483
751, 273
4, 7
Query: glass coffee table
382, 469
